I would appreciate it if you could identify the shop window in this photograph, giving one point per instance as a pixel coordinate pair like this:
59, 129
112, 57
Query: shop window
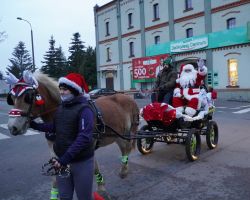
108, 54
107, 29
188, 5
231, 23
156, 11
232, 72
130, 21
157, 39
131, 49
189, 32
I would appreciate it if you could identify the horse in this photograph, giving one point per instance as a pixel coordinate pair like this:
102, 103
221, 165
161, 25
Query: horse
37, 95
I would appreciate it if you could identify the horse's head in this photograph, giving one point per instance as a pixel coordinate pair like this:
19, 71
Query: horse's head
28, 100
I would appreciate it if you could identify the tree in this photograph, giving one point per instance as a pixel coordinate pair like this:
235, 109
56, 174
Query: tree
1, 75
21, 60
89, 70
61, 67
50, 59
3, 35
76, 57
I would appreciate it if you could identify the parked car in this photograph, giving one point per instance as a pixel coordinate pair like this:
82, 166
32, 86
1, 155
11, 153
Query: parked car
101, 92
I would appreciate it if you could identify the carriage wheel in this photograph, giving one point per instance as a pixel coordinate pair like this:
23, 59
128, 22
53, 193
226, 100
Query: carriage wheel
145, 145
193, 144
212, 134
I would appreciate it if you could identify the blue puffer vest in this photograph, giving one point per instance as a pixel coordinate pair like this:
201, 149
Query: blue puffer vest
66, 123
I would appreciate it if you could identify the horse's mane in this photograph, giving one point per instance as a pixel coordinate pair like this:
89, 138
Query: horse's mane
49, 83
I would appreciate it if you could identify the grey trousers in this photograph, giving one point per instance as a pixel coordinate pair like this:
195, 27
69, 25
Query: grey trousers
80, 180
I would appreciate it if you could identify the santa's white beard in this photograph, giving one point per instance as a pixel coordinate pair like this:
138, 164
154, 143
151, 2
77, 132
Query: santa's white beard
188, 79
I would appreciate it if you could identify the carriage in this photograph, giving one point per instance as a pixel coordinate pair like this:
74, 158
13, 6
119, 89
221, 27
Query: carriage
164, 124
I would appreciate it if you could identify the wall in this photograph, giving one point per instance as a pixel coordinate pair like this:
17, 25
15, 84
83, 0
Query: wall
197, 24
241, 14
149, 14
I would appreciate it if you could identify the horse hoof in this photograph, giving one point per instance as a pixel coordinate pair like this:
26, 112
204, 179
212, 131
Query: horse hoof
124, 171
123, 174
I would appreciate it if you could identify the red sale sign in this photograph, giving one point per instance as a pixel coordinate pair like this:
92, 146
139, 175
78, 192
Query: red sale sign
147, 67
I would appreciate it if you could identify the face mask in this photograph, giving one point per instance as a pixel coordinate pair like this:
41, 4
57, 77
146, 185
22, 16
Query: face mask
67, 97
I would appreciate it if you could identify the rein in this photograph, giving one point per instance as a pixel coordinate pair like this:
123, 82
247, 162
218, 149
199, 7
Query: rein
125, 137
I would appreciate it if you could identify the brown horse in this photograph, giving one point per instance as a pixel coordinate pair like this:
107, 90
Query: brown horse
38, 96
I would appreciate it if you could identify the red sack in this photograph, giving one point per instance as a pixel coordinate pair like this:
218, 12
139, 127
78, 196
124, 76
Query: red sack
159, 112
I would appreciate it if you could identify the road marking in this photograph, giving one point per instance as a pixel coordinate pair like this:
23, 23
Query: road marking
240, 107
28, 133
220, 107
2, 136
242, 111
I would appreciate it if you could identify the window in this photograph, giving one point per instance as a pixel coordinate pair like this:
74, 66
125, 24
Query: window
131, 49
189, 32
188, 4
107, 29
157, 39
108, 54
233, 72
130, 22
156, 11
231, 23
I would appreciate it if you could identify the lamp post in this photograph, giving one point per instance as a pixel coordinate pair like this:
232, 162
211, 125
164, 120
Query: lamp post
31, 32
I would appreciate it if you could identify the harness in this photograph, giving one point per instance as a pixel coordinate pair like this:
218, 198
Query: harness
31, 95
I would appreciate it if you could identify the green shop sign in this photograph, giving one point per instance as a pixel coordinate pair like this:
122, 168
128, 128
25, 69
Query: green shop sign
189, 44
238, 35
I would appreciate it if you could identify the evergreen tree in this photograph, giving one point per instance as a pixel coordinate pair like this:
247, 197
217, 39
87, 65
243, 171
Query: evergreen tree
3, 35
76, 57
60, 63
50, 59
21, 60
1, 75
89, 70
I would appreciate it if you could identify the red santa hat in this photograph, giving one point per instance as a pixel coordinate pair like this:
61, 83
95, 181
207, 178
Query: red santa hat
187, 66
181, 67
74, 81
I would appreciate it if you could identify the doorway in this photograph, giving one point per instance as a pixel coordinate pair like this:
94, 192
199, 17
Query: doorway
110, 81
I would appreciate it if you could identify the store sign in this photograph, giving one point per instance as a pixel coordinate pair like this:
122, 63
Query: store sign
109, 68
147, 67
189, 44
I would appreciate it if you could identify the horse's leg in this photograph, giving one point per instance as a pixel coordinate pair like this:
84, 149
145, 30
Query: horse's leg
54, 189
125, 147
99, 178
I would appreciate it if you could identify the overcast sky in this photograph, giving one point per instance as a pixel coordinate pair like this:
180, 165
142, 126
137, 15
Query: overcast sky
60, 18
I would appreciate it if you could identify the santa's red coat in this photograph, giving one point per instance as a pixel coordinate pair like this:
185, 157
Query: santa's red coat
189, 95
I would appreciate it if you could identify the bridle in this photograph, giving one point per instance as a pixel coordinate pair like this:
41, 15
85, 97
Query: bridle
30, 93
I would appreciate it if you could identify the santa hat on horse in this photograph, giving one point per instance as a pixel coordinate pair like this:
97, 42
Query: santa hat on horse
75, 83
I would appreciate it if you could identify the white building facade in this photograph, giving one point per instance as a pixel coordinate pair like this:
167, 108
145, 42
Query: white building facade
128, 29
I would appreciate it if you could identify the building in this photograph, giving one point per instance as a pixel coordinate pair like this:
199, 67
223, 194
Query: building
215, 30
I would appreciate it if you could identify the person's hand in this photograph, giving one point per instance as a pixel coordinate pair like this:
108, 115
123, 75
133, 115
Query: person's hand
177, 92
191, 82
56, 163
200, 63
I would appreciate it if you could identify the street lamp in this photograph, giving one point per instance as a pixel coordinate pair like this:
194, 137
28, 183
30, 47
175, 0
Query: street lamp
33, 57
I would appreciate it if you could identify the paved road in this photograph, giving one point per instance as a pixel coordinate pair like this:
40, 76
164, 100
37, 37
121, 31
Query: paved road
223, 173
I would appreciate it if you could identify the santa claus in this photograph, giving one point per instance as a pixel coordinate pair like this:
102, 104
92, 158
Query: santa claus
186, 94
